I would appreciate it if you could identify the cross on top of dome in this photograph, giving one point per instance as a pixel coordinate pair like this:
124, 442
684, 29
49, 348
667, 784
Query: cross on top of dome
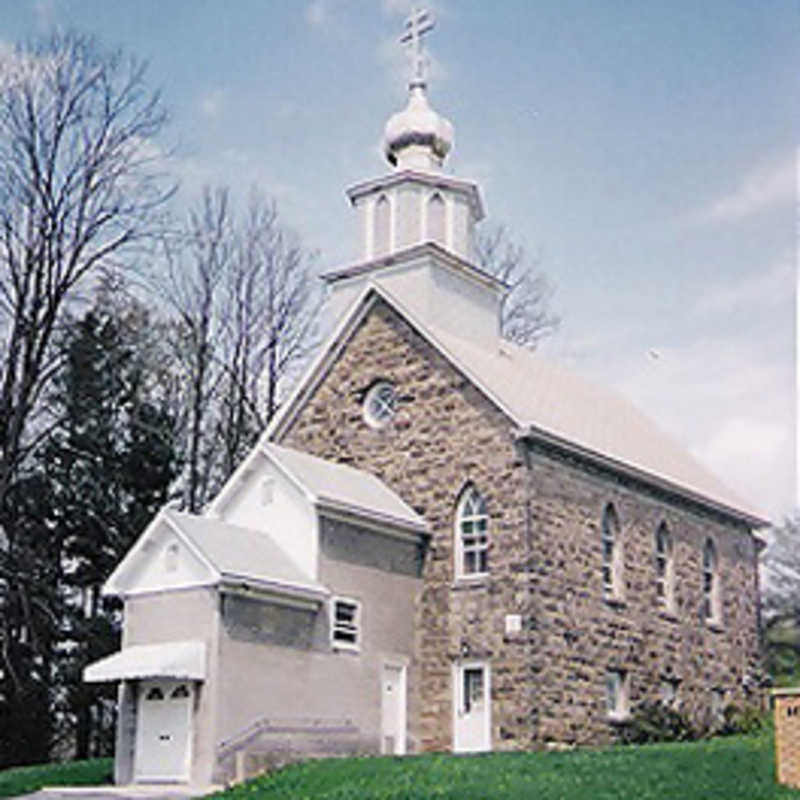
417, 137
418, 24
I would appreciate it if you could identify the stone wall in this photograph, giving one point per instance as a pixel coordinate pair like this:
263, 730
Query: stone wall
578, 635
445, 434
548, 683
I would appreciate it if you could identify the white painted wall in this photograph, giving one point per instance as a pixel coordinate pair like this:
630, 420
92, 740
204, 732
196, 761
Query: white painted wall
179, 616
167, 563
436, 294
289, 518
287, 682
408, 224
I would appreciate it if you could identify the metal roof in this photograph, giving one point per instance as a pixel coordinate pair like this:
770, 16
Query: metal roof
544, 398
345, 488
186, 660
242, 553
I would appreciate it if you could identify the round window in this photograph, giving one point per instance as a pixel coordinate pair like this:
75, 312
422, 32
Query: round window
380, 404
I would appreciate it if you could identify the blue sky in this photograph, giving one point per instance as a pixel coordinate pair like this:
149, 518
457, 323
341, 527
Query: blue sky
646, 151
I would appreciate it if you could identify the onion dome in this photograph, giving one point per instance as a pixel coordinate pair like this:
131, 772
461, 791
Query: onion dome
417, 137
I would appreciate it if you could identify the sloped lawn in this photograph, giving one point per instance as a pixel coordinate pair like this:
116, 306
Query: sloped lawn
732, 768
25, 780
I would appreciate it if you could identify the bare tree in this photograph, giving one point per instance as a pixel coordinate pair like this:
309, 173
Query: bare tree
781, 559
781, 601
79, 188
197, 262
526, 317
245, 309
79, 191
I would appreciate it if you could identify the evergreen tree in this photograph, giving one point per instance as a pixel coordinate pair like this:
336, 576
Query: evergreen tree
29, 625
111, 462
102, 474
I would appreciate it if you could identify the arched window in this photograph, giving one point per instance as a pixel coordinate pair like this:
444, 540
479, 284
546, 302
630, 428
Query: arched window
612, 554
711, 594
382, 226
436, 219
665, 568
472, 534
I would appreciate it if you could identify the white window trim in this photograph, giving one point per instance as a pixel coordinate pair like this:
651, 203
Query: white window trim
379, 422
376, 250
670, 686
429, 232
714, 596
460, 574
667, 581
612, 591
621, 710
338, 644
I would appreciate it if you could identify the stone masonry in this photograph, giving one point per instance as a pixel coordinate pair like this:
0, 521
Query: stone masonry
545, 557
787, 736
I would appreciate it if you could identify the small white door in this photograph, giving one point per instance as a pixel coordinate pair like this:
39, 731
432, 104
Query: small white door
393, 710
163, 734
471, 728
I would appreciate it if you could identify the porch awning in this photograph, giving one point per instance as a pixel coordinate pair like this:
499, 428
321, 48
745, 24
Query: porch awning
185, 660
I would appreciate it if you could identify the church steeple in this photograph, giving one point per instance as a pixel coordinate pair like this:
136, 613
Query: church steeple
417, 223
417, 202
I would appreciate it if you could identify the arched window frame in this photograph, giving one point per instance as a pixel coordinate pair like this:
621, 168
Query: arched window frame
471, 535
436, 219
665, 567
382, 225
712, 596
612, 554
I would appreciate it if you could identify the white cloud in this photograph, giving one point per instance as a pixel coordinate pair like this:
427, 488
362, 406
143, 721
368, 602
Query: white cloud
729, 399
317, 13
211, 103
394, 8
751, 454
764, 187
46, 13
402, 8
766, 289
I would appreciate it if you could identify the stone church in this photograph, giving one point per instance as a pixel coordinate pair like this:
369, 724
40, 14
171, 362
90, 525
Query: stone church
441, 542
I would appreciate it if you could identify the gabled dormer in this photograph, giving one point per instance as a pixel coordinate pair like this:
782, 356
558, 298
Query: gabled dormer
182, 551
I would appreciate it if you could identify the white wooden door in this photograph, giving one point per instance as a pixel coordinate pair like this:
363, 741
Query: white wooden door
472, 712
164, 726
393, 709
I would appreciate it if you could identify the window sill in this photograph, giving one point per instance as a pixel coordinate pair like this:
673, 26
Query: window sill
618, 719
338, 647
715, 626
615, 602
471, 581
668, 616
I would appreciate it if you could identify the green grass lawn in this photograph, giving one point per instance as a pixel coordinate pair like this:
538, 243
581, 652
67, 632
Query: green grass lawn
24, 780
732, 768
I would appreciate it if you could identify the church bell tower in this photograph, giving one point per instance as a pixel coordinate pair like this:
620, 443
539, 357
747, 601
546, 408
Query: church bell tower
417, 201
417, 223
